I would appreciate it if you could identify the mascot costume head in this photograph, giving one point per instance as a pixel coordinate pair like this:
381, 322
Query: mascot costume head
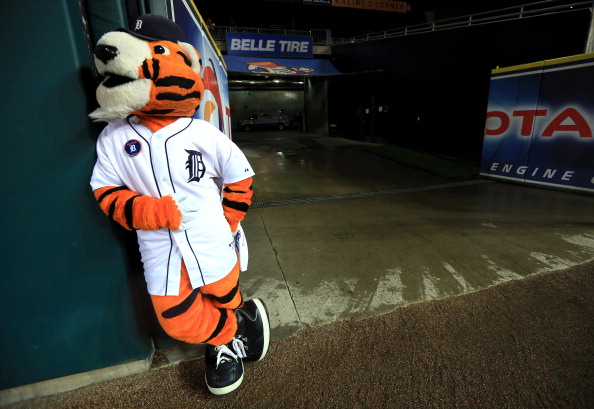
149, 72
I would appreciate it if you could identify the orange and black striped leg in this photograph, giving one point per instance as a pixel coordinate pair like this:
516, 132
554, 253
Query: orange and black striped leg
225, 293
195, 318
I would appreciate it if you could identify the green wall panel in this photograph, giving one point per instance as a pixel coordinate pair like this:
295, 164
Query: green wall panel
74, 296
104, 16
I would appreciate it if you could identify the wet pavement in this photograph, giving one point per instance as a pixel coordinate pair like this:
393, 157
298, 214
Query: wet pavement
341, 230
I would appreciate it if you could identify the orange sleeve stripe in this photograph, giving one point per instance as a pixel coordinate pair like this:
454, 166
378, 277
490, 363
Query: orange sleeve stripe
112, 200
237, 198
134, 211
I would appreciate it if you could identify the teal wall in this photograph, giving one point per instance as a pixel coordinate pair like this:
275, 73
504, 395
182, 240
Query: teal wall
73, 293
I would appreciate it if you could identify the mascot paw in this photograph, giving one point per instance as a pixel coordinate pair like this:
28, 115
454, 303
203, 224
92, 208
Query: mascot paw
188, 208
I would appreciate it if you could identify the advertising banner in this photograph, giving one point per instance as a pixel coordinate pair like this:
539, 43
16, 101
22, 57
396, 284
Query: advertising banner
280, 66
539, 124
215, 101
265, 45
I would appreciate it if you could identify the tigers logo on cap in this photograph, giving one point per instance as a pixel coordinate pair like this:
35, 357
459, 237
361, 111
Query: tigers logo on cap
154, 27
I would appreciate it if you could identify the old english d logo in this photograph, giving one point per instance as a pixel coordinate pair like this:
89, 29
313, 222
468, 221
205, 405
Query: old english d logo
195, 166
132, 147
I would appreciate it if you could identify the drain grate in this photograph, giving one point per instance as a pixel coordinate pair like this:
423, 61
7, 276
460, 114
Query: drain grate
287, 202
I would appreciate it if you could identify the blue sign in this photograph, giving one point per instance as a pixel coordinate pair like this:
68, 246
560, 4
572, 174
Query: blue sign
540, 121
264, 45
280, 66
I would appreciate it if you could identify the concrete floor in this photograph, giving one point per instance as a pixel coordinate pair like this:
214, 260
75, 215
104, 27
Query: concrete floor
337, 232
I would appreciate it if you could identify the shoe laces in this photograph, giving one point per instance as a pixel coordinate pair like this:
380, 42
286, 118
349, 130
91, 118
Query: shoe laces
226, 354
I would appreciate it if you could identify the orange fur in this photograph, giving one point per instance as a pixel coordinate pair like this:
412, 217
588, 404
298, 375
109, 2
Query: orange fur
176, 88
237, 198
209, 318
134, 211
154, 123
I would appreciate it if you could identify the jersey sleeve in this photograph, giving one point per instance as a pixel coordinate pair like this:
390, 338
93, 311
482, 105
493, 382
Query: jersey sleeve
233, 163
104, 173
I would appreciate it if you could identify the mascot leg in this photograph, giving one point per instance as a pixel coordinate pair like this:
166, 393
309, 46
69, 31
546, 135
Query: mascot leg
201, 315
216, 315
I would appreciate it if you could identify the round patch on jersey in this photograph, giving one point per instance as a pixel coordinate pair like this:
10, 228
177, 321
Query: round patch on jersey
133, 147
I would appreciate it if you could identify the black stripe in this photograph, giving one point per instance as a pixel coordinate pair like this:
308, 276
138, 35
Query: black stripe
240, 206
182, 307
173, 80
168, 262
128, 211
220, 325
110, 191
145, 69
226, 189
186, 59
156, 69
112, 208
172, 96
225, 299
158, 111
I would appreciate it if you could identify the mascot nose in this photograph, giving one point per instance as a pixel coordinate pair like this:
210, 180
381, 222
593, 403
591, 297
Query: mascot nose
105, 53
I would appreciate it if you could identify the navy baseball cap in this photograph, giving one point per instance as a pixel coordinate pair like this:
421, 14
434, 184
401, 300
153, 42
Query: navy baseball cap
154, 27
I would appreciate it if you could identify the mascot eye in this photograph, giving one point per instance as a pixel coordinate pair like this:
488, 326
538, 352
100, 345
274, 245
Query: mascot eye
159, 49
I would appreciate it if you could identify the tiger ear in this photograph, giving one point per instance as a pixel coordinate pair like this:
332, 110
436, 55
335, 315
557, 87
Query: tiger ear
194, 55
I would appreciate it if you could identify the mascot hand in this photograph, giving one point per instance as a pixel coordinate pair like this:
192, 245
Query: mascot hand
188, 208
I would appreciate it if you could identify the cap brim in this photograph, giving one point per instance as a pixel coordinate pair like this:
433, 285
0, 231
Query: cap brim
140, 35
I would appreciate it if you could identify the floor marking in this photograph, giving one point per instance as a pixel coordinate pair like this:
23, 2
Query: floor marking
286, 202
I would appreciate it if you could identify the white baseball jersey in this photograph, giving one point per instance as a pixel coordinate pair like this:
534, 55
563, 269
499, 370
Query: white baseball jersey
190, 156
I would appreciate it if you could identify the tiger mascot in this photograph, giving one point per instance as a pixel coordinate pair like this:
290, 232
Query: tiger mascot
184, 187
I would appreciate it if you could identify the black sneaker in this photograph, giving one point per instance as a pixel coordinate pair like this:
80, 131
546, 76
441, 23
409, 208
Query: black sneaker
253, 329
224, 366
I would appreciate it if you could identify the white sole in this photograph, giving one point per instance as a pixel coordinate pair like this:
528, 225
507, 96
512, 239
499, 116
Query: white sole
265, 324
226, 389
